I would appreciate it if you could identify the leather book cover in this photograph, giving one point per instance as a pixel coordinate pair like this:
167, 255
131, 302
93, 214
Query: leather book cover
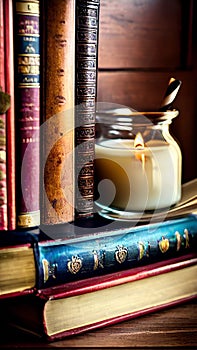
57, 129
27, 107
80, 306
87, 35
104, 251
10, 114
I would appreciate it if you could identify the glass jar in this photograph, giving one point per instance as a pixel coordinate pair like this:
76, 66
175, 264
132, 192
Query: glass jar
138, 164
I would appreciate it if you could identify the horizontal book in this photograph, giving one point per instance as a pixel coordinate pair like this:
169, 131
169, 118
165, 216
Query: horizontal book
75, 307
33, 260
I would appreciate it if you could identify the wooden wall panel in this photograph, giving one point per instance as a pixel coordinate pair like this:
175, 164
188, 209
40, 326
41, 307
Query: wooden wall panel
140, 33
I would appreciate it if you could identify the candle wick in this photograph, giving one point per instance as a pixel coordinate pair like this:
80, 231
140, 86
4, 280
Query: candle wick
139, 145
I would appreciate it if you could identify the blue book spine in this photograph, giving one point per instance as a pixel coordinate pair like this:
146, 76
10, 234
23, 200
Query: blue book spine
61, 261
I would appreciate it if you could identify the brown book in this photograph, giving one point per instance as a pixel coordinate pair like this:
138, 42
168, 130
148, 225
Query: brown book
87, 27
57, 130
27, 107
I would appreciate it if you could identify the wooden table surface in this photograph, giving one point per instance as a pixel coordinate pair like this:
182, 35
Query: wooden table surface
171, 329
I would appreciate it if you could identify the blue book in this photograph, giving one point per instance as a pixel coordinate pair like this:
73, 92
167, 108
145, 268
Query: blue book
34, 259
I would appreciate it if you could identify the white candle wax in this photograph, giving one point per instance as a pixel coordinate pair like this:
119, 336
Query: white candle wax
145, 179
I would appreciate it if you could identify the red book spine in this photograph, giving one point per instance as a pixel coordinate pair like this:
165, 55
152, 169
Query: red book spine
27, 79
10, 115
93, 285
3, 185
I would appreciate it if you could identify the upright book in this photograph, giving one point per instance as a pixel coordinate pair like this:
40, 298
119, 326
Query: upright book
27, 106
100, 301
7, 64
57, 129
3, 181
87, 35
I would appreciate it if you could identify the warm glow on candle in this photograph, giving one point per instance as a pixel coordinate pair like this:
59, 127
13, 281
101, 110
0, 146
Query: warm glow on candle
139, 141
139, 144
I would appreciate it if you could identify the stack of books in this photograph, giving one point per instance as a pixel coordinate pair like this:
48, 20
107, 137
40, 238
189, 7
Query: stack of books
98, 272
75, 270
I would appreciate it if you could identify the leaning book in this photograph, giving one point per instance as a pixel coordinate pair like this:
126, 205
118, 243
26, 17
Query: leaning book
88, 304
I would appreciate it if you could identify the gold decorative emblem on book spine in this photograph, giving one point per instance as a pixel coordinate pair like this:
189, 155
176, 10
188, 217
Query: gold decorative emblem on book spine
178, 238
48, 270
186, 234
98, 260
141, 250
121, 254
164, 245
74, 265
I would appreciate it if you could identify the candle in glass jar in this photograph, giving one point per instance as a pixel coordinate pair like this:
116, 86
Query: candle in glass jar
145, 177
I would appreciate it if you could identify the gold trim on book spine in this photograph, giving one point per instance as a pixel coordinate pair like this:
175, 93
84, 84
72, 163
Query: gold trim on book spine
30, 8
29, 219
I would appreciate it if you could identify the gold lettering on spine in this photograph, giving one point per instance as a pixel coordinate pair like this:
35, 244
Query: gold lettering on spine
48, 270
141, 250
45, 265
97, 262
186, 232
178, 238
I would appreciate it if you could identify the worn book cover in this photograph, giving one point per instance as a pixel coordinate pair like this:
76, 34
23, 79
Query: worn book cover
88, 304
57, 129
10, 115
46, 261
86, 53
27, 107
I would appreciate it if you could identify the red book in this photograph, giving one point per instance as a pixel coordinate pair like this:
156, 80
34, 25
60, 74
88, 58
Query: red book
27, 107
10, 115
3, 191
95, 302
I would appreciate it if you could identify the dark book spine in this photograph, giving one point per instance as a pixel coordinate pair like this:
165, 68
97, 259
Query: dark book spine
27, 102
62, 261
10, 114
57, 136
3, 184
87, 32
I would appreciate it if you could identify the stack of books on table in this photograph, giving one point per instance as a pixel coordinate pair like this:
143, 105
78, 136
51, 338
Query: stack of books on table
98, 272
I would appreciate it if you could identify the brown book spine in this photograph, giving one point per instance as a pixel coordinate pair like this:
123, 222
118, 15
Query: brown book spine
10, 114
27, 103
57, 140
3, 185
87, 28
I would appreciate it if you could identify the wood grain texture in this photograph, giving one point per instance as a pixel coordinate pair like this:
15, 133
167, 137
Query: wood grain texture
175, 328
140, 34
58, 141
